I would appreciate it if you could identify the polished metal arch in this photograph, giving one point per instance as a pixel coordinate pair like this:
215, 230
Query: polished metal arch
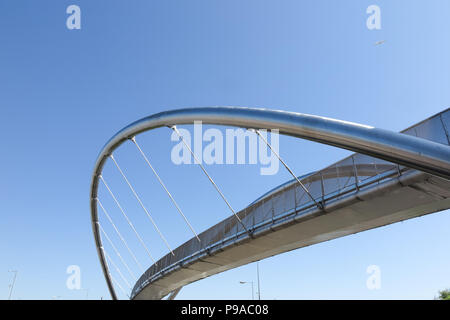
417, 153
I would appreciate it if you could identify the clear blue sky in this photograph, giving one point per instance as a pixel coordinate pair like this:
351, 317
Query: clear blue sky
64, 93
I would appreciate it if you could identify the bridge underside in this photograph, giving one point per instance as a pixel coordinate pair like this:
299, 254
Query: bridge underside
410, 195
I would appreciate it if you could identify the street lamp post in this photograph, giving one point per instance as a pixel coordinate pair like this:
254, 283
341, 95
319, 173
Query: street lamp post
251, 282
11, 286
257, 273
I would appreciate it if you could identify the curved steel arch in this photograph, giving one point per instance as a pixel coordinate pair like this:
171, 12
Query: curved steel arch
417, 153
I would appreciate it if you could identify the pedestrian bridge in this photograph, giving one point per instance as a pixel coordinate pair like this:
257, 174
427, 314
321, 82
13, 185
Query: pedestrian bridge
392, 177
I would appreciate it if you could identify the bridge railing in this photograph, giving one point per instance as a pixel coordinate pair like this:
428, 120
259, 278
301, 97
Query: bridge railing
350, 175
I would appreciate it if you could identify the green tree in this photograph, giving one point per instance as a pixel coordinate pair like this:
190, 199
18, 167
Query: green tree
444, 294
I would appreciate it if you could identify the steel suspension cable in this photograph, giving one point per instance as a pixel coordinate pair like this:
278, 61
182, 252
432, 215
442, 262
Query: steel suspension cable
117, 269
120, 235
117, 252
128, 219
142, 205
320, 206
118, 284
174, 128
165, 188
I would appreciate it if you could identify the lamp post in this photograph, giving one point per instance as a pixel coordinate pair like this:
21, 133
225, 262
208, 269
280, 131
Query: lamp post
257, 273
11, 286
244, 282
